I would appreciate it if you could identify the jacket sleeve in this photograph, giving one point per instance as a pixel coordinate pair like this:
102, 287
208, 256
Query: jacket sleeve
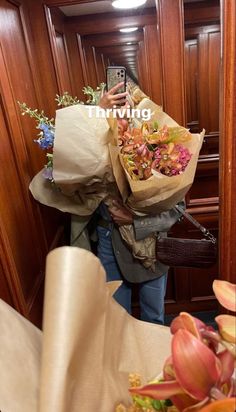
144, 226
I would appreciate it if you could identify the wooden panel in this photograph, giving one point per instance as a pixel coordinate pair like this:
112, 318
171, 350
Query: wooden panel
113, 39
100, 67
5, 293
191, 74
206, 182
63, 67
153, 53
92, 24
214, 80
57, 36
202, 58
82, 59
143, 75
90, 66
25, 233
68, 2
41, 58
121, 49
16, 218
77, 66
139, 70
172, 47
202, 12
209, 66
228, 145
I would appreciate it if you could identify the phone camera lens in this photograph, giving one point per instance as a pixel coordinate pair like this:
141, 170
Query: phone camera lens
118, 73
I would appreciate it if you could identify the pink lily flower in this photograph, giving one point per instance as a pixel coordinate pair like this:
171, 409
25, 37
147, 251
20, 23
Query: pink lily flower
225, 293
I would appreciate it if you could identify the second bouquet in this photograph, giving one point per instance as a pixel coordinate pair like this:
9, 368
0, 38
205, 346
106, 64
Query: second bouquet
154, 162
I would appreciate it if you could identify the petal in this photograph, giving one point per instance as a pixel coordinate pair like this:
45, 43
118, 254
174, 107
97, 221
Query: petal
188, 322
227, 362
224, 405
225, 293
227, 327
196, 367
161, 390
183, 401
197, 406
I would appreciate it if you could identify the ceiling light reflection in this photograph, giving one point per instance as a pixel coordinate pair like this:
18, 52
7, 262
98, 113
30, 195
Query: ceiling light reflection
124, 4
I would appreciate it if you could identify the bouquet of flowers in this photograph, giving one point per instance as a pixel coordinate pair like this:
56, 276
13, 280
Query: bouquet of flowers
150, 165
199, 374
76, 175
150, 148
154, 162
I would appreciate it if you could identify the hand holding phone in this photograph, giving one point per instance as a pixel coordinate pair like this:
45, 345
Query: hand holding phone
111, 98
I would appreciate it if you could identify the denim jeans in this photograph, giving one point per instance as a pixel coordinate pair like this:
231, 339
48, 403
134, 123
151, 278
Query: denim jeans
151, 293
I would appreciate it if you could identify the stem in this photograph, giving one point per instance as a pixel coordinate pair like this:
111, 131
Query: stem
215, 337
216, 394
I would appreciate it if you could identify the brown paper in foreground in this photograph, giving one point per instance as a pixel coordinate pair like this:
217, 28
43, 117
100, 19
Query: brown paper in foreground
90, 343
20, 357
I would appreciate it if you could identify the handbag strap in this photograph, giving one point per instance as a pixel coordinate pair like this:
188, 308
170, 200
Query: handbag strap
205, 231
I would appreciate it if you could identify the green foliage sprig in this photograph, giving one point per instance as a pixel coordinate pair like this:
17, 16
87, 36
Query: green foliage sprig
35, 114
67, 100
93, 95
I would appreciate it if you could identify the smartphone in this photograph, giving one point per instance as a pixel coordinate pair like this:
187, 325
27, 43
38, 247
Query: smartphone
115, 75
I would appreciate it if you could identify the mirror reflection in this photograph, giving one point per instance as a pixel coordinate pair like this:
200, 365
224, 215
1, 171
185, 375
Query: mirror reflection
120, 44
86, 38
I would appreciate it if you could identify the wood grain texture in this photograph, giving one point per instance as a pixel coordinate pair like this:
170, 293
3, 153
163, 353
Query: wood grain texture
153, 56
68, 2
172, 49
228, 145
25, 231
93, 24
202, 12
90, 66
57, 34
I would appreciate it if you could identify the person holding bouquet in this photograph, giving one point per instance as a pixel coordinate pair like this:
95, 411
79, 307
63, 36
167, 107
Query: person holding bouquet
117, 257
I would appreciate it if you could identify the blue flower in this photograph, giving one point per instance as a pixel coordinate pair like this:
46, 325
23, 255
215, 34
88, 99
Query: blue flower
46, 140
47, 173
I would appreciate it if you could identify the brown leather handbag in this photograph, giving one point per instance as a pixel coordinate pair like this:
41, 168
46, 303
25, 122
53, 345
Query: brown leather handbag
195, 253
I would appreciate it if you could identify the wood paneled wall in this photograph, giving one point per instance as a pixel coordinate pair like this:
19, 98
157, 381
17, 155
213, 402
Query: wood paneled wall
191, 289
27, 230
228, 145
202, 56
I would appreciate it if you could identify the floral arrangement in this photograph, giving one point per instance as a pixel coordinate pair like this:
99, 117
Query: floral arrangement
150, 148
46, 136
199, 374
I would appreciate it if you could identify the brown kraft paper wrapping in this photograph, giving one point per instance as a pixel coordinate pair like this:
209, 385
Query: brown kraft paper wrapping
158, 193
90, 342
